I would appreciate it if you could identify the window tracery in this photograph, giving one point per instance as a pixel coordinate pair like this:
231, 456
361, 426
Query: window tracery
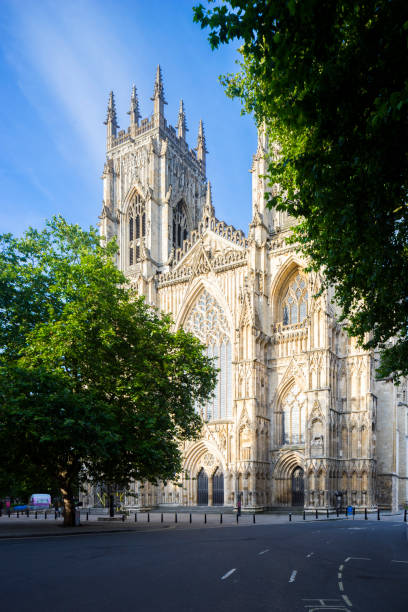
207, 321
136, 228
294, 303
180, 231
294, 416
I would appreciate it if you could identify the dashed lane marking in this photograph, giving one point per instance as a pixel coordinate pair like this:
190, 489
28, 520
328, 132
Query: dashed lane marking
263, 551
341, 567
341, 587
293, 576
361, 559
347, 601
309, 555
228, 573
395, 561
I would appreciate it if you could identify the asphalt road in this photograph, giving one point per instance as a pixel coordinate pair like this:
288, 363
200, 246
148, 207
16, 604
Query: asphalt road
311, 566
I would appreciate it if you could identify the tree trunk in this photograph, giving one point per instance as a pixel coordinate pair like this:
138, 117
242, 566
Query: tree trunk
69, 504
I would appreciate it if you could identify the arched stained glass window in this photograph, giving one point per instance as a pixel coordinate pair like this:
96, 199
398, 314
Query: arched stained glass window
208, 323
294, 303
180, 232
137, 228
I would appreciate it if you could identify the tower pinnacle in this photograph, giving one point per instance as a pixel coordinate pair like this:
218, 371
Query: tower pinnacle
208, 208
181, 123
134, 109
201, 146
158, 94
111, 120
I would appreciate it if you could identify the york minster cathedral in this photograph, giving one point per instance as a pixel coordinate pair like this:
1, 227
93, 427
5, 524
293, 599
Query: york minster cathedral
297, 418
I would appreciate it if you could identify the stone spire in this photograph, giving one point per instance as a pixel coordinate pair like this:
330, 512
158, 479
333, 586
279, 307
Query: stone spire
181, 123
201, 147
158, 94
111, 121
134, 110
208, 210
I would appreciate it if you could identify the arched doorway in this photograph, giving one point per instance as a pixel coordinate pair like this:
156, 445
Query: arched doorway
218, 488
202, 488
298, 487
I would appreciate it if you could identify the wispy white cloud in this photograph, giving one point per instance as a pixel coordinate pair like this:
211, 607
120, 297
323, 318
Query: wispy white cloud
68, 51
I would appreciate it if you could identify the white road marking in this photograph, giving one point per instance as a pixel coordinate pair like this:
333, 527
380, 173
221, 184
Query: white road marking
293, 576
309, 555
341, 587
228, 573
339, 575
347, 560
263, 551
341, 567
356, 528
348, 602
395, 561
361, 558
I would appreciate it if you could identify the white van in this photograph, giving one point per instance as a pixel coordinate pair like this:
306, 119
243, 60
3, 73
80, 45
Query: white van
39, 501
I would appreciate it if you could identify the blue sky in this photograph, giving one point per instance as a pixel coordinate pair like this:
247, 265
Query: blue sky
60, 59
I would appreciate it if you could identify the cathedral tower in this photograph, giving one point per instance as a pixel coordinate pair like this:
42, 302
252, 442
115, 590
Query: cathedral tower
154, 186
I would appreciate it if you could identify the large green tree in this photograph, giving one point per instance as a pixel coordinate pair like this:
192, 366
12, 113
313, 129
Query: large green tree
94, 384
330, 79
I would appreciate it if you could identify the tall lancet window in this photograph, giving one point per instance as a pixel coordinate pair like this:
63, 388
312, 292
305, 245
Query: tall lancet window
136, 228
208, 323
180, 230
294, 303
293, 408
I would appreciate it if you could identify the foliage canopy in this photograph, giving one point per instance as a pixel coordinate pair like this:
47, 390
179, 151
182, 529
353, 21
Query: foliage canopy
330, 79
94, 384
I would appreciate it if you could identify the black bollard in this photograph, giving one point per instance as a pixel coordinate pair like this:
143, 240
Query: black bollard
148, 517
365, 514
220, 517
304, 515
87, 516
253, 519
205, 518
45, 515
161, 518
135, 517
175, 517
190, 518
36, 515
27, 513
290, 517
354, 512
337, 512
378, 514
237, 518
55, 516
18, 514
405, 515
327, 510
123, 518
317, 513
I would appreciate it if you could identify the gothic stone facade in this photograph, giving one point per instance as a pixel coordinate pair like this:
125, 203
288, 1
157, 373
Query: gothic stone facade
297, 417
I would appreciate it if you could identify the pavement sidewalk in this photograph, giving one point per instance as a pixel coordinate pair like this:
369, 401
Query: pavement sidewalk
24, 527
